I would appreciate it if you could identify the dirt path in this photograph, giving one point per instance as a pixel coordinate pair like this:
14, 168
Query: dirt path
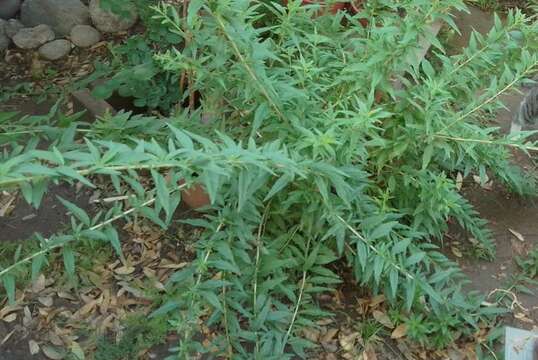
504, 211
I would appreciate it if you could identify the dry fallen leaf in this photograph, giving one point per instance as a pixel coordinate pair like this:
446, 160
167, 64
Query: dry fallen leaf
5, 204
376, 300
124, 270
27, 319
477, 180
329, 335
45, 300
66, 295
311, 334
517, 235
459, 181
8, 310
165, 264
382, 318
39, 284
10, 318
86, 309
399, 332
34, 347
347, 342
456, 251
369, 353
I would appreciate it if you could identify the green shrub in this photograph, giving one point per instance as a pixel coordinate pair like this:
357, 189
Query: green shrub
306, 169
133, 72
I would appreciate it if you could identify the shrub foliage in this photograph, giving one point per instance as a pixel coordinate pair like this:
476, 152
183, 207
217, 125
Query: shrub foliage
303, 166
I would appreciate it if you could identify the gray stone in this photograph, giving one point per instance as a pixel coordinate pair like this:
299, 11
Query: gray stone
4, 40
30, 38
55, 50
9, 8
61, 15
84, 36
12, 27
109, 22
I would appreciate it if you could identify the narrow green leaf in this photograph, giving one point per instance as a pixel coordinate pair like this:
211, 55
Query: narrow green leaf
165, 309
163, 195
278, 186
212, 299
37, 264
393, 278
427, 156
9, 285
76, 211
69, 261
113, 238
382, 230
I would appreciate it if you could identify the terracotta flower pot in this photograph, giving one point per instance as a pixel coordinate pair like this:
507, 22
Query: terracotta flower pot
334, 8
195, 196
354, 7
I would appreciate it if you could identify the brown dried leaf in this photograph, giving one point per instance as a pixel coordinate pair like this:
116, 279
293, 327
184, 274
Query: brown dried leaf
86, 309
45, 300
517, 235
166, 264
347, 342
329, 335
9, 309
375, 301
27, 319
459, 181
369, 353
382, 318
399, 332
34, 347
311, 334
5, 204
66, 295
10, 318
55, 338
39, 284
124, 270
456, 251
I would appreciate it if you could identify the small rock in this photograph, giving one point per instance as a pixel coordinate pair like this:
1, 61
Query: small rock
84, 35
60, 15
55, 50
4, 40
30, 38
8, 8
107, 21
12, 27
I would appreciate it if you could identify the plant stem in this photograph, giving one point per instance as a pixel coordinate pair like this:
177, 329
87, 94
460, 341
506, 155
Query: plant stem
93, 228
256, 268
489, 100
488, 142
249, 69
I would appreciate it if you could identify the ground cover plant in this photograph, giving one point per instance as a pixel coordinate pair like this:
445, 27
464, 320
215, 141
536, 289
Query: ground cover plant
306, 168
